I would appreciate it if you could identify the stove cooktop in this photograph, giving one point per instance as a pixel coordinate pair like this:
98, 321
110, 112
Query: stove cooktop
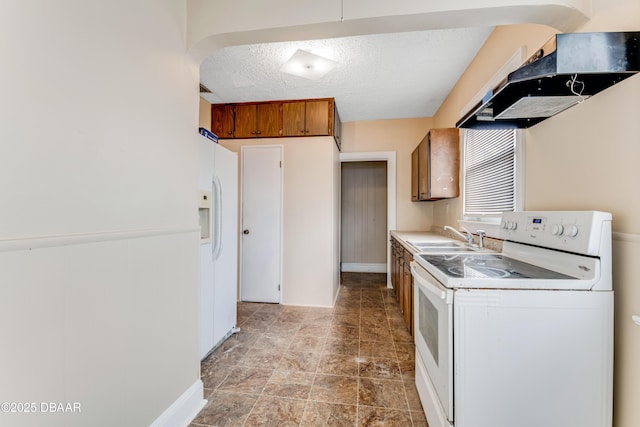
490, 267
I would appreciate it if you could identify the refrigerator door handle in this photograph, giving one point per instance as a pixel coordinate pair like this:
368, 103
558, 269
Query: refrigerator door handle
217, 218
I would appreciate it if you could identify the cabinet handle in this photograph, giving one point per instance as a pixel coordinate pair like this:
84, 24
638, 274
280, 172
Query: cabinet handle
258, 132
230, 132
253, 132
301, 130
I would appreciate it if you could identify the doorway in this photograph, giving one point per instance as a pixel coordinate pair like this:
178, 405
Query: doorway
384, 163
363, 217
261, 242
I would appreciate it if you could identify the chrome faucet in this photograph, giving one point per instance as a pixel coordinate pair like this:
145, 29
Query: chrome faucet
468, 237
481, 234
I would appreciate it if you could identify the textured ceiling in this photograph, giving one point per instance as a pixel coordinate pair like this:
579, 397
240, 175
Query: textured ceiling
382, 76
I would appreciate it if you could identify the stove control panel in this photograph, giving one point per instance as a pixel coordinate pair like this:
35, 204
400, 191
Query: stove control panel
573, 231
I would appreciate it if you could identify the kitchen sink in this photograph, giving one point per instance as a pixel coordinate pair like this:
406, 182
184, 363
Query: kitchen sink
448, 250
444, 244
447, 246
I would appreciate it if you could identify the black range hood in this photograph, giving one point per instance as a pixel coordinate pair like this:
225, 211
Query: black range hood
568, 69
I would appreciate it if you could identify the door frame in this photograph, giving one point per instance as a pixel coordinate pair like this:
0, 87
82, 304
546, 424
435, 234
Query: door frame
241, 213
390, 158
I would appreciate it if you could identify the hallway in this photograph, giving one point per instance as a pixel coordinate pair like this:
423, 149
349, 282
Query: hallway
352, 365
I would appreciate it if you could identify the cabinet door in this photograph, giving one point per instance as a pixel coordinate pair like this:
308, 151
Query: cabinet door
222, 120
444, 163
415, 170
293, 119
439, 164
268, 123
337, 127
317, 118
400, 280
245, 121
392, 264
423, 169
407, 287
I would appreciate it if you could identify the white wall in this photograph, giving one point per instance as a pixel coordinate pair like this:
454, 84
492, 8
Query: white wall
98, 230
309, 253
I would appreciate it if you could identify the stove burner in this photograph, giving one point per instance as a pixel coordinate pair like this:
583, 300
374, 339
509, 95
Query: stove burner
478, 271
476, 266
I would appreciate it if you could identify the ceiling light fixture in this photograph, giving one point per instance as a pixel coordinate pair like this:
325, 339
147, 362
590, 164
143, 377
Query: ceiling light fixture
308, 65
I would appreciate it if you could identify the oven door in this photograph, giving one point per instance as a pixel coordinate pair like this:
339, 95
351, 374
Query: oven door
434, 346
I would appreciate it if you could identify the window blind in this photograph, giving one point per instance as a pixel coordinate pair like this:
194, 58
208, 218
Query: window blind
489, 171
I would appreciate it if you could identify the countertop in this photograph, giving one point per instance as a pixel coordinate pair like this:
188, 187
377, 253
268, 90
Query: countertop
422, 236
404, 237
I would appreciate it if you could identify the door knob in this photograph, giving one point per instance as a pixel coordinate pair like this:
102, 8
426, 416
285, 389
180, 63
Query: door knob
245, 231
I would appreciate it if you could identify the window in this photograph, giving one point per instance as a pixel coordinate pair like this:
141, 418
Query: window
492, 173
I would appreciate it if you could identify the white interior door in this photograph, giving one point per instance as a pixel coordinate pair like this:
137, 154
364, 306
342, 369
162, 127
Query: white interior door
261, 223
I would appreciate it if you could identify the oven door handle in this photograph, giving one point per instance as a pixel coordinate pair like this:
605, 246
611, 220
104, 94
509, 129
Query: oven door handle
427, 284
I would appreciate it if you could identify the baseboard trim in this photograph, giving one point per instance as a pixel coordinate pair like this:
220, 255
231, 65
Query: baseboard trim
350, 267
184, 409
626, 237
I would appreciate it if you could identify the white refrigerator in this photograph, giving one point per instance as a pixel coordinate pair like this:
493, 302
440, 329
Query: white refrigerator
218, 209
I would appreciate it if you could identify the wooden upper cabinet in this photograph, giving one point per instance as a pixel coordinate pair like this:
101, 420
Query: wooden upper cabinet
306, 118
337, 127
257, 120
222, 120
268, 120
317, 118
272, 119
438, 165
245, 121
415, 195
293, 123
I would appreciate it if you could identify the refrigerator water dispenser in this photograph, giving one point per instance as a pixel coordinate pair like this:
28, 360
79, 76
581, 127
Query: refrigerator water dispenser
204, 212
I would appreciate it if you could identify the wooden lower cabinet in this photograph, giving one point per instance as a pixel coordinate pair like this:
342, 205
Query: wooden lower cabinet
402, 281
407, 287
399, 281
392, 264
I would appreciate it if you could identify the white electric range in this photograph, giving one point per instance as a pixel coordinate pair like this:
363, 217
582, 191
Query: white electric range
521, 338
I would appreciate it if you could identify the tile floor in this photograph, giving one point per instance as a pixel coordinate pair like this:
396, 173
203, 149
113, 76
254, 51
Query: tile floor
352, 365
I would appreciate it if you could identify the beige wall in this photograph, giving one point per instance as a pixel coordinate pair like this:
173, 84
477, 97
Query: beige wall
364, 213
204, 115
401, 136
309, 253
500, 46
98, 226
583, 158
